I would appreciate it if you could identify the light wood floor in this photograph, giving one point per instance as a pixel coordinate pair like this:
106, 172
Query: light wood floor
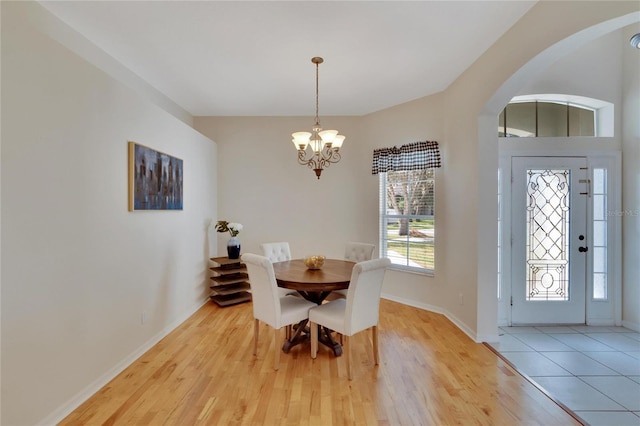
430, 373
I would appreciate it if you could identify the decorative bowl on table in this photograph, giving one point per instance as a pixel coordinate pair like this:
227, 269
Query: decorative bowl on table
314, 262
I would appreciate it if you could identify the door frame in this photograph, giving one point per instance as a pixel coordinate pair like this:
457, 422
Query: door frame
603, 313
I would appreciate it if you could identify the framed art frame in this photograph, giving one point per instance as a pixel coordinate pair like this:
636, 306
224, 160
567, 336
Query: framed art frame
155, 179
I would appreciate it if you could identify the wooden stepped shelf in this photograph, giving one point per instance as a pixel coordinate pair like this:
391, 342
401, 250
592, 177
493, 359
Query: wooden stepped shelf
230, 281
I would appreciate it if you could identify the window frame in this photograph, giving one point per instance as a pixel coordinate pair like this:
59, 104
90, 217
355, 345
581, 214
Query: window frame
385, 217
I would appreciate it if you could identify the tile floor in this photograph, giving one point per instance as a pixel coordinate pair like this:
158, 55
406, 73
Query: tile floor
593, 371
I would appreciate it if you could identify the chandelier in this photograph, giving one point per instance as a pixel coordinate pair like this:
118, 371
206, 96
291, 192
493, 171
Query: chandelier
324, 145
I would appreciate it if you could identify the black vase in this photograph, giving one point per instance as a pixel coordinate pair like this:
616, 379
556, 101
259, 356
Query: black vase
233, 248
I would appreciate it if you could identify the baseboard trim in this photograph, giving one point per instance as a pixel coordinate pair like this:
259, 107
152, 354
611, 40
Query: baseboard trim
631, 325
455, 320
63, 411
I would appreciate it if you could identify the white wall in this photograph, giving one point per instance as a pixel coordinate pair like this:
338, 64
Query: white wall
262, 186
418, 120
592, 70
78, 269
631, 183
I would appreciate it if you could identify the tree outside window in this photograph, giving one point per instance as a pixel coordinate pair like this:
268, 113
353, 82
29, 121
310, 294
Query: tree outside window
407, 218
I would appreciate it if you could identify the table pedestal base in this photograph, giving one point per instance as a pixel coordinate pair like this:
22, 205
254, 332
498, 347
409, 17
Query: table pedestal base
326, 339
303, 334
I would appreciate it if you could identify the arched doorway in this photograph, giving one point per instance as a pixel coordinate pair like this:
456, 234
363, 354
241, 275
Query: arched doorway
487, 307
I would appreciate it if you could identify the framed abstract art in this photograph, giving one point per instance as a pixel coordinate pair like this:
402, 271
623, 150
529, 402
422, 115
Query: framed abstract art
155, 179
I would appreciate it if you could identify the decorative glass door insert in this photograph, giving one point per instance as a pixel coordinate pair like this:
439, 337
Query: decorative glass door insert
547, 226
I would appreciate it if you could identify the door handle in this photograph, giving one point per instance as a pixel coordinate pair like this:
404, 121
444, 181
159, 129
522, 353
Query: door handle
583, 249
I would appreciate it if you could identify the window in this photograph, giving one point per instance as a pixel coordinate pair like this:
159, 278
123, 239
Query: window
600, 213
546, 119
556, 115
407, 218
407, 194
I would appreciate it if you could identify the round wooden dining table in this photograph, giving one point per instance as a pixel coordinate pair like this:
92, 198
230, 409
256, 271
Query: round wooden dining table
314, 285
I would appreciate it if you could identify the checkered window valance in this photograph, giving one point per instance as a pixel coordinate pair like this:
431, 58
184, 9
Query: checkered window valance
412, 156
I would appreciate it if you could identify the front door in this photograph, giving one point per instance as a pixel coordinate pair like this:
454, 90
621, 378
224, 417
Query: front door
549, 240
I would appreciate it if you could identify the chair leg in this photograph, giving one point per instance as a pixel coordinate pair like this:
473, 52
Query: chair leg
276, 349
347, 352
256, 327
314, 339
374, 331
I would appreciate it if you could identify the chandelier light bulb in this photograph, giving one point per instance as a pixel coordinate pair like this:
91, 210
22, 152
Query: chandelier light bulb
301, 139
337, 141
328, 135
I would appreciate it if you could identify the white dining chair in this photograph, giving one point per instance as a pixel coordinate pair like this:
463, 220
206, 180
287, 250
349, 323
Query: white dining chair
268, 306
358, 312
355, 252
278, 252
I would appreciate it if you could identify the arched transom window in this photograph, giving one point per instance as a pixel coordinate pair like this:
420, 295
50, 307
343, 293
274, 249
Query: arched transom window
554, 115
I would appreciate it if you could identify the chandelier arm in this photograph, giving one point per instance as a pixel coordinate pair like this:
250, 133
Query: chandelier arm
310, 162
328, 155
334, 156
302, 157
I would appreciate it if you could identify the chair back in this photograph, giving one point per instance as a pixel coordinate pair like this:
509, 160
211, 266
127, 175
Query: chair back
264, 293
276, 252
357, 252
363, 296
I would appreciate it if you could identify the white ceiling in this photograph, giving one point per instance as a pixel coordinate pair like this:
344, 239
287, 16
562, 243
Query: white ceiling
234, 58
